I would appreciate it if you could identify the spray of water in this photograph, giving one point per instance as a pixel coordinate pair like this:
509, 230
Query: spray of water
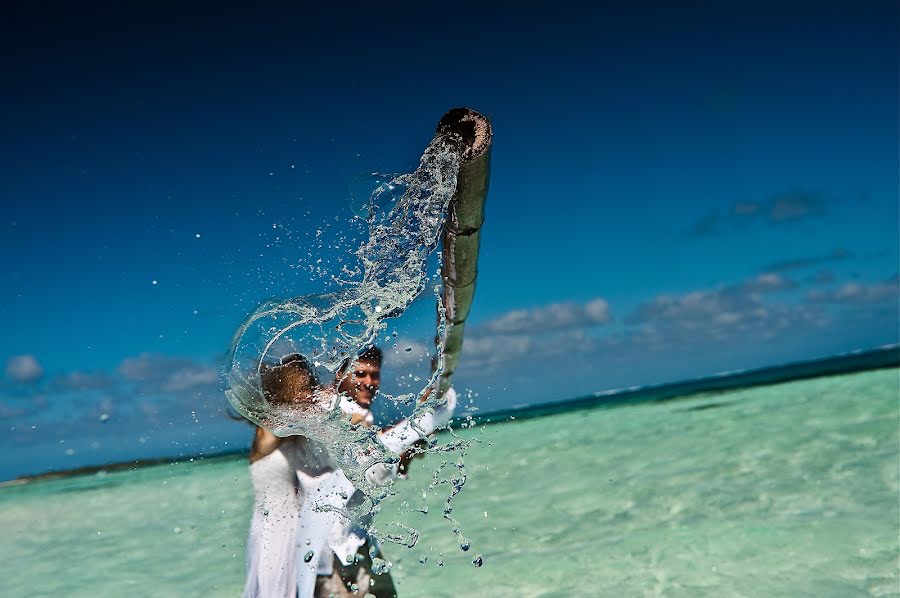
405, 216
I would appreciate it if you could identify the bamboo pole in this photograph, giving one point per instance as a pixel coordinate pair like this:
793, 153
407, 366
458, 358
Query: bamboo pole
462, 228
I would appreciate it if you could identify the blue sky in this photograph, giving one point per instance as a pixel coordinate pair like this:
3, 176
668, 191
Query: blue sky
675, 191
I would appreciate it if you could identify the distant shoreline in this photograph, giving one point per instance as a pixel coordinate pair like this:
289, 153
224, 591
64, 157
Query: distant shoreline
855, 362
120, 466
846, 363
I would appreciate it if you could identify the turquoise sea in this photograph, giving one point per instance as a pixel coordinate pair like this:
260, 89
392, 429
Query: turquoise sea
784, 490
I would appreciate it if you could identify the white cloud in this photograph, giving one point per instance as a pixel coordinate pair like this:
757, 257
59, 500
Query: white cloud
142, 367
858, 293
191, 377
491, 349
167, 373
737, 311
24, 368
767, 282
534, 333
597, 310
555, 316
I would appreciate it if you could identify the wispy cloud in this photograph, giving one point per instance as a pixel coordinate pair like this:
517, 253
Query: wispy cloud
675, 321
83, 381
764, 283
167, 374
755, 312
10, 411
794, 205
801, 263
145, 392
725, 305
853, 293
790, 206
715, 315
541, 331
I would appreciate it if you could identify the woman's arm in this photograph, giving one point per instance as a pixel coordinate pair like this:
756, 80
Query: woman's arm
264, 443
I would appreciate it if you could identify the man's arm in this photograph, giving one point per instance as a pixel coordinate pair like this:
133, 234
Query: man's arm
406, 433
409, 454
407, 438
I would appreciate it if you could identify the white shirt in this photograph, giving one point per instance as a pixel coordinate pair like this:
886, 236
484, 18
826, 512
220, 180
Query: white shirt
314, 461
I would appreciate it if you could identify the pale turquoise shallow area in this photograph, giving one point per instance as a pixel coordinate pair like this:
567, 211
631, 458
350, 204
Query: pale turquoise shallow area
787, 490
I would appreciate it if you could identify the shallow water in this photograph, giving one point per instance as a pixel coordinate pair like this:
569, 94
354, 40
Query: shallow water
787, 490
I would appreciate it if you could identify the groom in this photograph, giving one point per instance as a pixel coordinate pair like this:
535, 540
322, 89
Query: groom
358, 383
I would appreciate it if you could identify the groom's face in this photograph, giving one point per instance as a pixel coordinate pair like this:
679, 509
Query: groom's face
362, 382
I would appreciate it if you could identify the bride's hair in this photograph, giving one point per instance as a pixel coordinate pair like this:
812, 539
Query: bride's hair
291, 381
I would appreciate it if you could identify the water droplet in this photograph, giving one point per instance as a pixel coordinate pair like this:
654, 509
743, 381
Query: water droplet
413, 539
380, 566
308, 556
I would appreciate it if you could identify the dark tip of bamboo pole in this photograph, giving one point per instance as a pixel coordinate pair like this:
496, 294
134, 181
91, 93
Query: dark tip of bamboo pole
473, 128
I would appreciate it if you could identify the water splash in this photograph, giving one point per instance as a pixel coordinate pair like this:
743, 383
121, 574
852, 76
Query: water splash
375, 193
405, 214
